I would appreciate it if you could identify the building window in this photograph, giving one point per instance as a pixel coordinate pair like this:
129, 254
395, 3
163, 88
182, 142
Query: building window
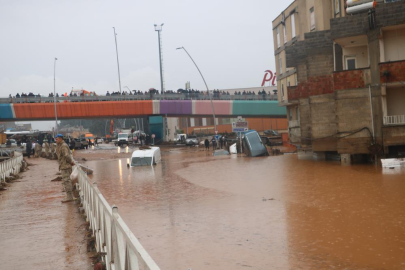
282, 91
290, 114
285, 34
312, 18
337, 7
297, 112
292, 25
350, 63
278, 37
280, 63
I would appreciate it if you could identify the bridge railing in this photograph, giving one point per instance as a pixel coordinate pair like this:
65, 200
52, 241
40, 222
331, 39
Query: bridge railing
10, 166
119, 247
188, 96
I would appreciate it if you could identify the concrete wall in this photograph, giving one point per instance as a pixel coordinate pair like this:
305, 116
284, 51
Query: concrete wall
305, 122
353, 113
323, 122
394, 135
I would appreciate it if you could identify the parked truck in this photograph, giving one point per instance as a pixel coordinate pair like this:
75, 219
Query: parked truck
123, 139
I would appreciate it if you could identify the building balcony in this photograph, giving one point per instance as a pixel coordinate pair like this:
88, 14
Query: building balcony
292, 93
392, 72
394, 120
351, 79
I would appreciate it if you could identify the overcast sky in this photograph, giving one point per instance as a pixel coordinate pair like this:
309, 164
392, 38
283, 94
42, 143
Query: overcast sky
230, 40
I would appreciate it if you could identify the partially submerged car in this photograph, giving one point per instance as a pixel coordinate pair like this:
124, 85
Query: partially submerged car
181, 138
146, 156
192, 140
253, 145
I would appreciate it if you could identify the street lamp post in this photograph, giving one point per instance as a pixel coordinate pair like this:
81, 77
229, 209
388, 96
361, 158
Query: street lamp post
54, 94
118, 63
208, 91
158, 28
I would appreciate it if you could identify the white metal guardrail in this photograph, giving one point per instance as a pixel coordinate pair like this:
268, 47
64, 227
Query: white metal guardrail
394, 120
11, 166
120, 248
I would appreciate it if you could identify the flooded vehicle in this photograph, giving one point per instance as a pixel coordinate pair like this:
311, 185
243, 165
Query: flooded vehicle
253, 145
122, 139
146, 157
192, 140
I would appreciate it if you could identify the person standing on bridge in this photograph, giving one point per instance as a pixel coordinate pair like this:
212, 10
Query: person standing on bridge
65, 166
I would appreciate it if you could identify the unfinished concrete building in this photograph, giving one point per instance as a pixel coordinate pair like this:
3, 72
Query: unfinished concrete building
341, 75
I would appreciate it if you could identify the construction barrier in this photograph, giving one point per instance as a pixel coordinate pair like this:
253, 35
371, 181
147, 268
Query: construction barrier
11, 166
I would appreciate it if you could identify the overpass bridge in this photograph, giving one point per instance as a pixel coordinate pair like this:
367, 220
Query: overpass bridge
40, 108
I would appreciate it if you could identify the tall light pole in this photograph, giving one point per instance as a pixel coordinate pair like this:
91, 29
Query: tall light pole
54, 94
118, 63
208, 91
158, 28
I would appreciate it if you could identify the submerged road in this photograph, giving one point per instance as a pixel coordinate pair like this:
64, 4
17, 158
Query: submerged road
196, 211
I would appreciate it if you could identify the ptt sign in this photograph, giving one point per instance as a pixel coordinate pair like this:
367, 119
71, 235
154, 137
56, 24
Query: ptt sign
268, 76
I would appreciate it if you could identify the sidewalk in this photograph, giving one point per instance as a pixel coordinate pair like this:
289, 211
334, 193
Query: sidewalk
37, 231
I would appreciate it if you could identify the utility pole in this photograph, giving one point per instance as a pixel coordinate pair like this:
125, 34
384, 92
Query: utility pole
54, 95
158, 28
118, 63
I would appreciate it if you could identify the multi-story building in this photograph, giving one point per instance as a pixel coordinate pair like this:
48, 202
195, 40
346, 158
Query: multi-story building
341, 75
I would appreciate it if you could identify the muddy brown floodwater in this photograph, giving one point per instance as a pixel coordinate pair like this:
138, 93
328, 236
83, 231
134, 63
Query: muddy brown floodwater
196, 211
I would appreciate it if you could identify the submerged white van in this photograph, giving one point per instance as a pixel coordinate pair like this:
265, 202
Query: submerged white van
146, 157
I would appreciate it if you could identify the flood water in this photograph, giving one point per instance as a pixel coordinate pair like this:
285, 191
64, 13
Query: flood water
196, 211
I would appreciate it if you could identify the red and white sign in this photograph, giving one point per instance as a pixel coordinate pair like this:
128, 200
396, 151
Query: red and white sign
271, 77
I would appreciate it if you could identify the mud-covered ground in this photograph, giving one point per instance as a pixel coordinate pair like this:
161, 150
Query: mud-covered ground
37, 231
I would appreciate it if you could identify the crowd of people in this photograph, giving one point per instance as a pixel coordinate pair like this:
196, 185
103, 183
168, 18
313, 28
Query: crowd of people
30, 94
186, 93
218, 142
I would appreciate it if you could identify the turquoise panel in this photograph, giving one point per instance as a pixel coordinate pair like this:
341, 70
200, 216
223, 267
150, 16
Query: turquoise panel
156, 120
156, 127
5, 111
258, 108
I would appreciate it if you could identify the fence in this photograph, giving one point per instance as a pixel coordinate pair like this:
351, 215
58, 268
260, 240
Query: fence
119, 247
10, 166
394, 120
190, 96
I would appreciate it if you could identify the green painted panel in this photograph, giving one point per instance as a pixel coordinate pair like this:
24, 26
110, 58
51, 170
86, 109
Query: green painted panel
156, 120
257, 108
156, 127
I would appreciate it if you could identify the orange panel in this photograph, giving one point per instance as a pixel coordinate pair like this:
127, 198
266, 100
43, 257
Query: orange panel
261, 124
83, 109
34, 110
105, 109
282, 123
